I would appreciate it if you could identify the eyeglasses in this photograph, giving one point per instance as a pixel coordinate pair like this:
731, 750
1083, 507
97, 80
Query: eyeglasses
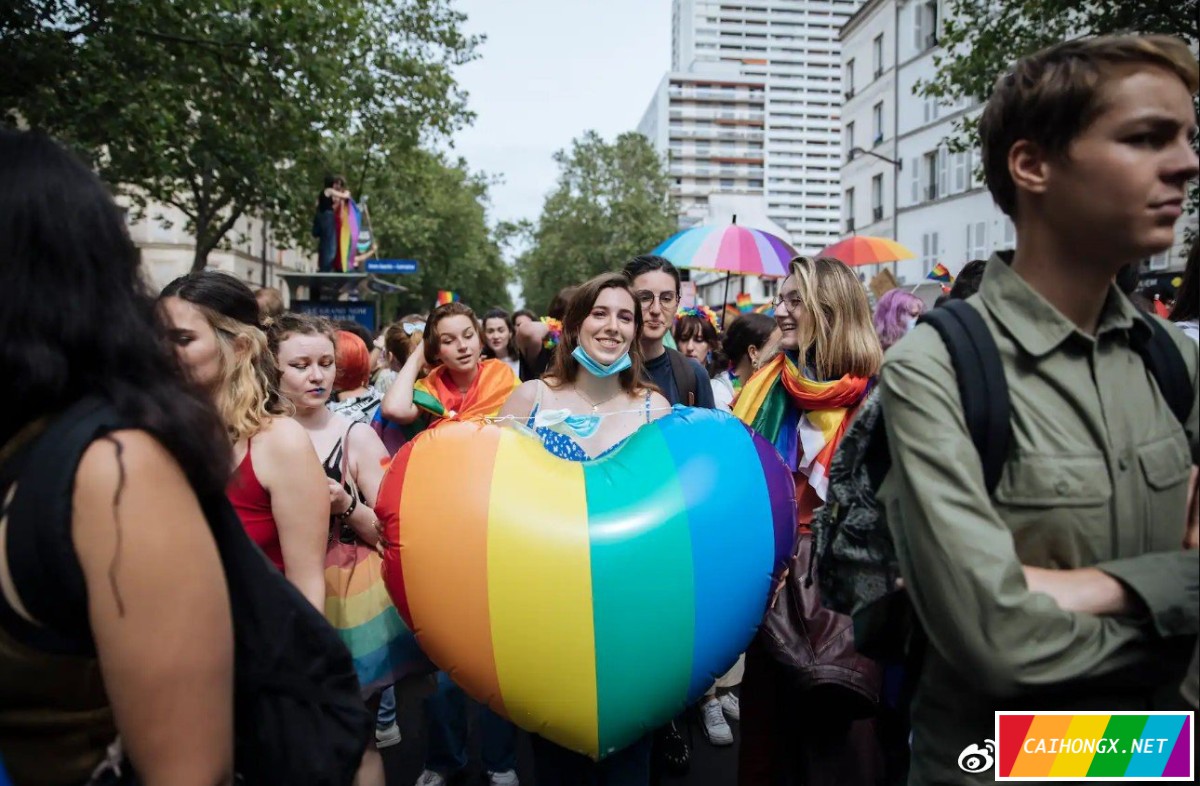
792, 302
665, 299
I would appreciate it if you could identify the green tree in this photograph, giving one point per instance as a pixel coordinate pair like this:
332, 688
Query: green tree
425, 207
982, 38
216, 107
611, 203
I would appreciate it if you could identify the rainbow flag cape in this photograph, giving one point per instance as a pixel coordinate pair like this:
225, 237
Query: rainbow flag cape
347, 221
438, 396
743, 303
804, 419
445, 296
940, 273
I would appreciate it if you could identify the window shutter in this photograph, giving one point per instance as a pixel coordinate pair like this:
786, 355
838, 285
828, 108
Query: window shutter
916, 181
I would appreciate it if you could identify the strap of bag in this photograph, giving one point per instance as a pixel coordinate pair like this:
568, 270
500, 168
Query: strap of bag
41, 552
982, 385
1165, 363
685, 380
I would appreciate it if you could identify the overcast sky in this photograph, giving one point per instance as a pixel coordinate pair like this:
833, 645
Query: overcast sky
550, 70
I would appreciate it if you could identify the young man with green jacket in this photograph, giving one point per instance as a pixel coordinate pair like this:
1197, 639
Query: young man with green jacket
1069, 588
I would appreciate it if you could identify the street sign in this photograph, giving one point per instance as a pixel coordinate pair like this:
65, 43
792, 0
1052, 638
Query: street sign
337, 310
391, 266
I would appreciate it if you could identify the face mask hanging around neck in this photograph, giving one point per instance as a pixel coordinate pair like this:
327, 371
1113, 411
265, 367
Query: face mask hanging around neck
598, 370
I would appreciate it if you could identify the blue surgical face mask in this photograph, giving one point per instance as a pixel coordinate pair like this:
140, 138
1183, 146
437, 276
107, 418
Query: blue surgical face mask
910, 322
597, 370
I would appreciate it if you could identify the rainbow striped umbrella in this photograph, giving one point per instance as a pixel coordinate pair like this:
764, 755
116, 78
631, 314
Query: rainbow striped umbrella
863, 250
732, 249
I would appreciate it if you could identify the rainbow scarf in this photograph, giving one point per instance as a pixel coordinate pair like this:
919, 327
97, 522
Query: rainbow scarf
802, 418
347, 220
437, 394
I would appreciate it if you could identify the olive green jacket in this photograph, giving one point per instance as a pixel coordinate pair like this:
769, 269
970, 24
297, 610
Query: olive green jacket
1097, 477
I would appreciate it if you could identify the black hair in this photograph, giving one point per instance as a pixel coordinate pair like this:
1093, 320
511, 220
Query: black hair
524, 312
78, 318
648, 263
220, 292
1129, 277
1187, 299
969, 279
358, 329
499, 313
558, 304
748, 330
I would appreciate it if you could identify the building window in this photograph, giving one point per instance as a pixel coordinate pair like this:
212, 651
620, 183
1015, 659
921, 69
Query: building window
848, 209
725, 183
925, 27
877, 123
877, 198
977, 240
850, 78
1158, 261
849, 139
929, 251
877, 55
960, 171
929, 168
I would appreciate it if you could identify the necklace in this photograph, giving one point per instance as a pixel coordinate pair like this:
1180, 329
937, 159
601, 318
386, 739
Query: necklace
596, 405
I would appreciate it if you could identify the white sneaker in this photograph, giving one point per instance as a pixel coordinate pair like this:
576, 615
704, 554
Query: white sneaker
715, 727
505, 778
431, 778
387, 737
731, 706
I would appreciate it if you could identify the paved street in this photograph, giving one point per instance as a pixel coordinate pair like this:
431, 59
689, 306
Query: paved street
711, 766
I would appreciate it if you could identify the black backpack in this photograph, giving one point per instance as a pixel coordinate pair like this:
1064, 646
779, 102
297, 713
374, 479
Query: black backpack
685, 379
858, 568
299, 717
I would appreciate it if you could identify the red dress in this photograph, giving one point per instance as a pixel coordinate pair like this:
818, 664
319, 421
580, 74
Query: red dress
253, 506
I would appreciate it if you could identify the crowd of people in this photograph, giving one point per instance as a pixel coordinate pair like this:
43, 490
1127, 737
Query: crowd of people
1068, 583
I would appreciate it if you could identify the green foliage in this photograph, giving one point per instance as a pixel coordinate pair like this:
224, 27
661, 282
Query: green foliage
611, 203
993, 35
222, 107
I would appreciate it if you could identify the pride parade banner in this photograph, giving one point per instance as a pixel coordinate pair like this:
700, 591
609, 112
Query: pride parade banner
1117, 746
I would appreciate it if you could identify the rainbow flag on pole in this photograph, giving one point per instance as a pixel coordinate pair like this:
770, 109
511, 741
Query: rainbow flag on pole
940, 273
445, 296
347, 221
744, 303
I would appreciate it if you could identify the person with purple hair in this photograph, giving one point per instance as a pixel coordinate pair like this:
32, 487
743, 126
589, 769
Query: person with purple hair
896, 313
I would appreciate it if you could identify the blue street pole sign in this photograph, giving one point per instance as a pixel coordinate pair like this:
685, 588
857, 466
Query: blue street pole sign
390, 266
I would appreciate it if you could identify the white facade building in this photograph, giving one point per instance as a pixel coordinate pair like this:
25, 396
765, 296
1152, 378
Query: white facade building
167, 251
792, 47
943, 212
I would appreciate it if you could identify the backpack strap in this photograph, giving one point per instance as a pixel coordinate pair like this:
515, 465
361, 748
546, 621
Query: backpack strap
41, 553
1165, 363
685, 380
982, 385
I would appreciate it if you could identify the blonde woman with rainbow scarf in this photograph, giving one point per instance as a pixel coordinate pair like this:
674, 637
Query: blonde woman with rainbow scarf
802, 399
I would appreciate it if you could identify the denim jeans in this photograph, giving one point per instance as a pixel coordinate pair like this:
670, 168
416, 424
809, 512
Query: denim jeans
387, 708
446, 724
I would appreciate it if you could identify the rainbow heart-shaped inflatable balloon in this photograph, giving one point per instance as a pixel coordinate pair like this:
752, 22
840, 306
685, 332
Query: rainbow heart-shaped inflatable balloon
587, 602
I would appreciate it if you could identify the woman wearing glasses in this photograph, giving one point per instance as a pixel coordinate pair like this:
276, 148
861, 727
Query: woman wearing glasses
802, 400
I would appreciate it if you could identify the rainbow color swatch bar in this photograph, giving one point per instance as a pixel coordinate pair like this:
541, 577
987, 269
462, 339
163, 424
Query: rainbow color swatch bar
1118, 746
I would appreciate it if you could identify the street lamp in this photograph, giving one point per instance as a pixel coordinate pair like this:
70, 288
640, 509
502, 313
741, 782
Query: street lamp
854, 151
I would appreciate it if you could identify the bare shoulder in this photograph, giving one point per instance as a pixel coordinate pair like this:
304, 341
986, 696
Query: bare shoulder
361, 437
282, 435
133, 453
659, 406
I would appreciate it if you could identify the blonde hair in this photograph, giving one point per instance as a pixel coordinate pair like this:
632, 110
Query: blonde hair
248, 396
834, 329
1050, 97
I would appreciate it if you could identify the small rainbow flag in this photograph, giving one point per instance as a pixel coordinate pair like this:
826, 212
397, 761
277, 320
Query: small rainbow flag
940, 273
744, 304
445, 296
1117, 746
